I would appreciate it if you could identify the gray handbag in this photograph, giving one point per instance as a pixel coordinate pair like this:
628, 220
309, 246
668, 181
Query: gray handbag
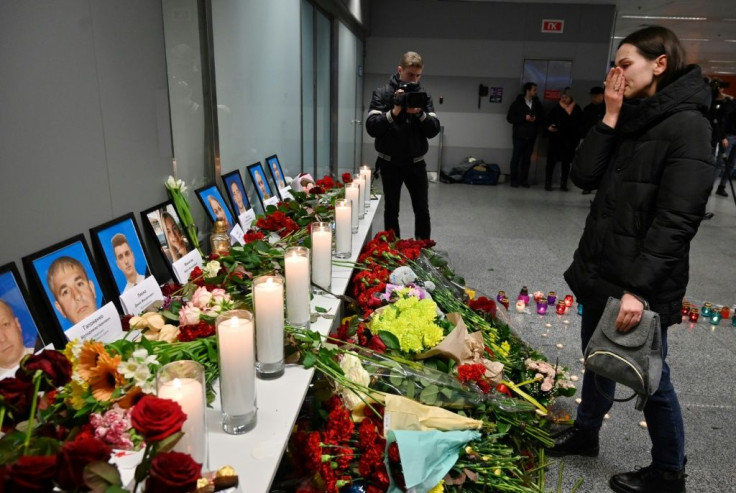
633, 358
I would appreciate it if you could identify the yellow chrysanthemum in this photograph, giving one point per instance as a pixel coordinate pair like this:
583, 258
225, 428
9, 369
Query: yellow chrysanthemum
505, 348
78, 391
411, 320
439, 488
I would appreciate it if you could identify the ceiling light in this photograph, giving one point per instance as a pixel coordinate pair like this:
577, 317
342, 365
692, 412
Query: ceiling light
729, 40
722, 61
663, 17
724, 72
694, 39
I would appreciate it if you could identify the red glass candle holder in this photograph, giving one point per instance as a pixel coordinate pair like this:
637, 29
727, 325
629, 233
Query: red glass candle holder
505, 302
725, 312
560, 309
694, 315
685, 307
568, 300
538, 295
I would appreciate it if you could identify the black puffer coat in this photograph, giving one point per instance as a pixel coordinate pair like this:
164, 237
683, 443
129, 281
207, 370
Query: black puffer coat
654, 175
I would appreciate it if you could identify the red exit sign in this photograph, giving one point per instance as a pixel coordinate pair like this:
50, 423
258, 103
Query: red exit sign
552, 25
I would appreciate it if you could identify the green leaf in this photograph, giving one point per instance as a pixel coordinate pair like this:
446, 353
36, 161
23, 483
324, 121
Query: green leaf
411, 391
395, 378
319, 309
168, 443
429, 395
99, 476
309, 360
503, 428
390, 340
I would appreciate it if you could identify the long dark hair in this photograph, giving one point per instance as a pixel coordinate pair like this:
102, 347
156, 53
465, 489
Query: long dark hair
654, 41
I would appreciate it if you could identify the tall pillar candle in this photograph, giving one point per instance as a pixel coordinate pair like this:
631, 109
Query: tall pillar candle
321, 256
361, 202
268, 304
343, 231
367, 174
352, 193
236, 346
183, 382
298, 280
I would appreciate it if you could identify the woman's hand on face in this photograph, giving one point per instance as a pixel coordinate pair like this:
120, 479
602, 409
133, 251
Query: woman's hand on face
629, 314
613, 95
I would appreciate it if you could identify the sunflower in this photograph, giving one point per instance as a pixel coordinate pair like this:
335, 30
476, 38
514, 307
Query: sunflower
89, 358
105, 378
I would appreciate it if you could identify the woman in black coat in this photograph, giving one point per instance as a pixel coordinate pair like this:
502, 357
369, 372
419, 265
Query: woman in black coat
650, 160
563, 127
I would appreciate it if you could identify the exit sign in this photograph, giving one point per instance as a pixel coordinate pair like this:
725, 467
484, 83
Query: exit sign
553, 25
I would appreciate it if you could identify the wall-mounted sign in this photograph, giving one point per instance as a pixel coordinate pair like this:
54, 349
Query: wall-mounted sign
553, 25
496, 94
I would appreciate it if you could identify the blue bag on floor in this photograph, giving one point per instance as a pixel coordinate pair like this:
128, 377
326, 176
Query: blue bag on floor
482, 174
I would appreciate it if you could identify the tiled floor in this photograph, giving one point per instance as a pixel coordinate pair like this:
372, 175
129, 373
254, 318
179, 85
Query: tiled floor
504, 238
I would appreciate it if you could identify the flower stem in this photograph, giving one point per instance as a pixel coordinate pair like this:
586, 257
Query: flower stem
34, 404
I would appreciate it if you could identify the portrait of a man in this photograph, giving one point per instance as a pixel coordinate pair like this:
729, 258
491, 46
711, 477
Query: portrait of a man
75, 296
125, 261
12, 348
214, 204
236, 192
259, 180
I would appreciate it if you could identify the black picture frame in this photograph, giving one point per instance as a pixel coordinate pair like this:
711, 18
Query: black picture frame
116, 243
75, 276
234, 178
277, 172
163, 225
20, 323
209, 196
263, 190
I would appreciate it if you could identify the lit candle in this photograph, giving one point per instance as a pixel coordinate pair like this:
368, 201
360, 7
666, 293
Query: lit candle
189, 393
296, 267
343, 234
322, 255
361, 201
733, 320
725, 312
366, 173
685, 308
552, 298
580, 308
236, 345
538, 295
715, 318
524, 295
352, 193
560, 307
694, 315
568, 300
268, 304
520, 305
707, 309
505, 301
501, 296
542, 307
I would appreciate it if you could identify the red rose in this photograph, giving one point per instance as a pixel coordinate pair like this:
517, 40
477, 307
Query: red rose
173, 472
347, 178
32, 473
17, 395
156, 418
74, 456
54, 364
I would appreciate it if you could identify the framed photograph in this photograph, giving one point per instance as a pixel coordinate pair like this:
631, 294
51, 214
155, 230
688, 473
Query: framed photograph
163, 224
235, 190
20, 332
214, 204
277, 173
66, 277
263, 189
119, 243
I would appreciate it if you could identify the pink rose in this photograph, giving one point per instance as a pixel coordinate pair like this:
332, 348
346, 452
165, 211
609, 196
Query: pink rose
219, 295
189, 315
201, 297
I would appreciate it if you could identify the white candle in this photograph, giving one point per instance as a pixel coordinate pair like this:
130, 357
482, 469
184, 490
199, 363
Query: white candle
236, 343
361, 201
352, 193
189, 393
367, 175
343, 234
322, 255
268, 303
296, 265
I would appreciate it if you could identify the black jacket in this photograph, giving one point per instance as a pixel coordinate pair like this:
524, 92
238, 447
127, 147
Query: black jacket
564, 141
405, 136
653, 174
722, 116
516, 115
592, 114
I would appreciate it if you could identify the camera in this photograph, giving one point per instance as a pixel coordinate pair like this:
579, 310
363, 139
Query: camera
410, 98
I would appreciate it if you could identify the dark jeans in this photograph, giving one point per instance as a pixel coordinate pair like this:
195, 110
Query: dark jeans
414, 176
550, 171
521, 159
724, 165
662, 411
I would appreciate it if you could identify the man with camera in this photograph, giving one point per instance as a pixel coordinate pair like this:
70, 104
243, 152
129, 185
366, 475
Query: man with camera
401, 119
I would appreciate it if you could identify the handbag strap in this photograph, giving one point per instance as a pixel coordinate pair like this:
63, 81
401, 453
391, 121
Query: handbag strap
610, 397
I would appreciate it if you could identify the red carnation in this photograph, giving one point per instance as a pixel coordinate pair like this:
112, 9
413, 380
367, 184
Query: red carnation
173, 472
156, 418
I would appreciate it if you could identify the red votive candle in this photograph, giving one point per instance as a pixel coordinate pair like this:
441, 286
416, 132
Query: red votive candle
568, 300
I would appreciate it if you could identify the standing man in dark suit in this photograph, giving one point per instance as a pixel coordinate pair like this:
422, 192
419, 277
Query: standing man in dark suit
525, 114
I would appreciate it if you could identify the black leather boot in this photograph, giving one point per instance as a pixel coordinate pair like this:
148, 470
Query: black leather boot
649, 480
575, 441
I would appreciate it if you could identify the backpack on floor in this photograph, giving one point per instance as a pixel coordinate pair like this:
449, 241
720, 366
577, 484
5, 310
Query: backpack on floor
482, 174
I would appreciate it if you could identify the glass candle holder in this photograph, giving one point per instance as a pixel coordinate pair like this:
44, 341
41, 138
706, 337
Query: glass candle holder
560, 307
733, 320
693, 315
501, 295
321, 257
538, 295
361, 201
707, 309
268, 304
685, 308
580, 309
552, 298
343, 232
505, 302
715, 318
236, 347
569, 300
725, 312
542, 307
520, 305
524, 295
367, 175
298, 281
352, 193
183, 382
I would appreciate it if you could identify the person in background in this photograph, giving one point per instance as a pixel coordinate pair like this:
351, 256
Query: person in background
401, 135
650, 160
563, 127
592, 114
525, 115
723, 120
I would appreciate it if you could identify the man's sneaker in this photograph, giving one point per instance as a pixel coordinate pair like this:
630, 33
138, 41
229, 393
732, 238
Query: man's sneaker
722, 192
649, 480
575, 441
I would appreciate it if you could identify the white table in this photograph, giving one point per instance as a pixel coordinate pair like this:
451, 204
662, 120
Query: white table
256, 454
